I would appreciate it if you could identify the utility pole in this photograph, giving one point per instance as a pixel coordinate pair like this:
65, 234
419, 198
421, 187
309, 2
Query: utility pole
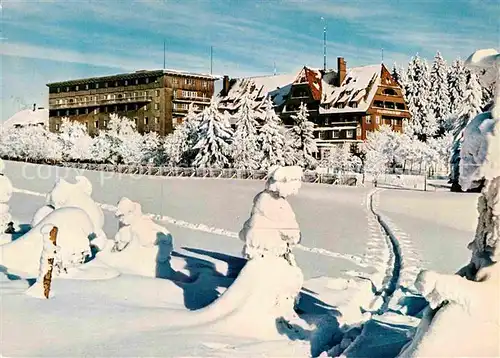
324, 43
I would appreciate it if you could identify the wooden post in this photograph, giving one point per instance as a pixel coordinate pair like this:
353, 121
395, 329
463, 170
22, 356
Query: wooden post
47, 279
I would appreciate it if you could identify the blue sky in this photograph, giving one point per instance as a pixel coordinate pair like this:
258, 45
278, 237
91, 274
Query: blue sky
47, 41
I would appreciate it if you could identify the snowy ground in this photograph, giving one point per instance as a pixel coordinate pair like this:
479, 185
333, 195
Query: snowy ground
344, 250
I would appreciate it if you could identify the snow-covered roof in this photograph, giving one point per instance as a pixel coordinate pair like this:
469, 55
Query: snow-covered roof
354, 94
28, 117
359, 86
276, 86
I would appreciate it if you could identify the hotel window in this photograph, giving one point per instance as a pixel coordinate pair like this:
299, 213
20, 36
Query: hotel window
205, 84
96, 111
58, 90
67, 112
126, 108
86, 87
145, 121
77, 88
115, 109
116, 83
96, 85
134, 94
136, 107
349, 133
377, 119
125, 83
57, 126
400, 106
157, 106
379, 104
157, 93
157, 120
368, 119
86, 111
336, 134
106, 84
67, 89
104, 123
358, 132
106, 109
96, 124
136, 82
147, 80
145, 94
58, 113
174, 81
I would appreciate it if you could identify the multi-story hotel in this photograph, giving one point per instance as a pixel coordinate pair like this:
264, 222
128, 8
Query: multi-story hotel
155, 100
344, 104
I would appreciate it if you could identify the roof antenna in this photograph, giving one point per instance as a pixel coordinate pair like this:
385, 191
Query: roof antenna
382, 55
164, 51
211, 58
274, 72
324, 43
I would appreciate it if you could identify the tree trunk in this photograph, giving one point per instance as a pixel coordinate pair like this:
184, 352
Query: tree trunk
47, 279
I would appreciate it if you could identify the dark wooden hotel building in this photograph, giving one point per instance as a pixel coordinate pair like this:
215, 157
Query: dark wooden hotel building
156, 100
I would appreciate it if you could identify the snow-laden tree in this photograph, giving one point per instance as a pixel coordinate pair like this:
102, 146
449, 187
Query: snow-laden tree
470, 107
126, 142
380, 149
101, 148
151, 150
340, 159
439, 91
245, 146
303, 138
457, 83
75, 140
214, 139
417, 93
271, 138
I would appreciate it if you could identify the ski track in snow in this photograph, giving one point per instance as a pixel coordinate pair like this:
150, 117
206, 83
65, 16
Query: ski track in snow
360, 261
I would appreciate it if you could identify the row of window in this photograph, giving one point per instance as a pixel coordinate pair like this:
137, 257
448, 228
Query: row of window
93, 99
389, 105
384, 120
191, 94
105, 109
335, 134
120, 83
145, 121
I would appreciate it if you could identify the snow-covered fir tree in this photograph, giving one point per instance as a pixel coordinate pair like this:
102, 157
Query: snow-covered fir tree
214, 139
470, 107
457, 83
303, 138
271, 138
439, 91
151, 149
417, 89
245, 149
126, 142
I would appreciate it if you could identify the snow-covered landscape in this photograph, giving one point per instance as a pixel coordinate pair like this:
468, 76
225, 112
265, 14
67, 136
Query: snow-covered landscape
209, 208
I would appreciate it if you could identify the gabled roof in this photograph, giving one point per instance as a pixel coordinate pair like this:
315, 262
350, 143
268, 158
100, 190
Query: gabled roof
28, 117
277, 87
359, 87
355, 93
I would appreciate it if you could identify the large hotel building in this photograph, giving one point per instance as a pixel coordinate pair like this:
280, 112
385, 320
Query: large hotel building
155, 100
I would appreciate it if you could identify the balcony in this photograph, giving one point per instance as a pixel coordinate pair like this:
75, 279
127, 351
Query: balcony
100, 102
189, 99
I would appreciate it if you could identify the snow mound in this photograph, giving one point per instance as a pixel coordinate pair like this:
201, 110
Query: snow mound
74, 227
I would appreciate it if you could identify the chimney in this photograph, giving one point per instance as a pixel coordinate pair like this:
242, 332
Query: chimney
34, 107
225, 85
341, 68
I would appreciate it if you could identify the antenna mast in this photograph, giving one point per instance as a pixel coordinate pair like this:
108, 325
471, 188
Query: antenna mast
274, 72
164, 54
324, 43
211, 58
382, 55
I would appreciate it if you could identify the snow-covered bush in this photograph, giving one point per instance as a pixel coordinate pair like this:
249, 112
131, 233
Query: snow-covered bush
75, 141
139, 229
78, 195
5, 195
272, 228
340, 159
